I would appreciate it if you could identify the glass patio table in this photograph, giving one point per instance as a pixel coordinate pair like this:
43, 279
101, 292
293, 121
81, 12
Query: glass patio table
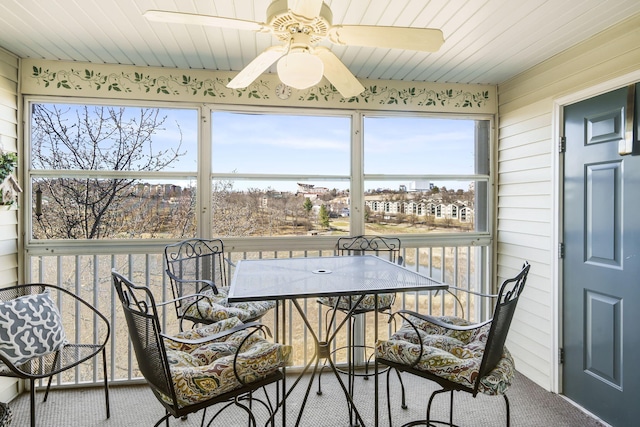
297, 278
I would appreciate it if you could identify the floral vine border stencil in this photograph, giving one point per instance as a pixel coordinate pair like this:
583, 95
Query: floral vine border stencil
172, 85
9, 187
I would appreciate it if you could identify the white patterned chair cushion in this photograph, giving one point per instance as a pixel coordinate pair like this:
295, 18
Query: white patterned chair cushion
204, 371
215, 307
453, 355
367, 303
30, 326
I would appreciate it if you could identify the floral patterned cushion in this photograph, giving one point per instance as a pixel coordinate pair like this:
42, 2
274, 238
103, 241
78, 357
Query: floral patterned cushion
454, 355
215, 307
367, 303
204, 371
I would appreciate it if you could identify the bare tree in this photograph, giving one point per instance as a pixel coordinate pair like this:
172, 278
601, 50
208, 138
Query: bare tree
98, 139
233, 214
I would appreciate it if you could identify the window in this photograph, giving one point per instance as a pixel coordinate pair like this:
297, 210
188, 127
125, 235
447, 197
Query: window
112, 172
132, 172
415, 162
279, 174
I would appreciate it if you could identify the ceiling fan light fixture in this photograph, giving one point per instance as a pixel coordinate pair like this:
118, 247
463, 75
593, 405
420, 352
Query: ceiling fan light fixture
300, 69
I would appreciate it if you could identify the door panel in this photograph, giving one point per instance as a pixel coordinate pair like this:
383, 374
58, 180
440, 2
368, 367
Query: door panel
601, 270
603, 338
603, 214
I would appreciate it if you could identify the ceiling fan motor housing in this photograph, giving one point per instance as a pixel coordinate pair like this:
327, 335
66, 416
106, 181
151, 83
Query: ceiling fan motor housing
285, 23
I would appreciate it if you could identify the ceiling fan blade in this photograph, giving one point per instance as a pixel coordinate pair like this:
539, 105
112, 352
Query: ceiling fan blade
307, 8
408, 38
195, 19
338, 74
256, 67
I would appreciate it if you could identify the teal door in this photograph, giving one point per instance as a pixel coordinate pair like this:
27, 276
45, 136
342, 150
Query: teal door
601, 265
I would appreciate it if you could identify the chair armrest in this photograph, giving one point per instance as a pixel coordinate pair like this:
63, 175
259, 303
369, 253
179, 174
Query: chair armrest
205, 283
174, 300
203, 340
435, 321
406, 314
452, 290
257, 327
480, 294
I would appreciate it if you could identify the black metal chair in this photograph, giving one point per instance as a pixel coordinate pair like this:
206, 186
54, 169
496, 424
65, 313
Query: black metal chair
457, 355
355, 306
35, 338
222, 363
197, 270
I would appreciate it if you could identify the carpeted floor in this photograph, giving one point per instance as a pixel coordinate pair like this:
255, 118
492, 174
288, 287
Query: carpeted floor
531, 406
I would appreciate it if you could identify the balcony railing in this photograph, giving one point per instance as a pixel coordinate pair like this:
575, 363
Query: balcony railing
89, 275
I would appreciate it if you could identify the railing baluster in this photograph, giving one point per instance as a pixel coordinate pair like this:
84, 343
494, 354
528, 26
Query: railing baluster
89, 270
129, 347
96, 303
114, 325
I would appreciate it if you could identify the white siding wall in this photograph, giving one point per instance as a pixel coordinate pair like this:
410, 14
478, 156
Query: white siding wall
8, 217
527, 185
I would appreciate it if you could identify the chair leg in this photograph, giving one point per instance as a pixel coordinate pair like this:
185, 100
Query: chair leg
252, 420
204, 416
250, 407
33, 402
428, 420
404, 403
389, 397
402, 391
106, 382
46, 393
165, 419
506, 401
451, 408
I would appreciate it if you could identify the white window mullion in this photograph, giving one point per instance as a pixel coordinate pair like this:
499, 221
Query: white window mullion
357, 175
203, 200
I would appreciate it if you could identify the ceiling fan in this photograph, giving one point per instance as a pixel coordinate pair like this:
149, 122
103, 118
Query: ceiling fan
301, 25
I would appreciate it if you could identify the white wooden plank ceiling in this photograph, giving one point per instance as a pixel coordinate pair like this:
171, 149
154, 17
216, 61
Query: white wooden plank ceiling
486, 41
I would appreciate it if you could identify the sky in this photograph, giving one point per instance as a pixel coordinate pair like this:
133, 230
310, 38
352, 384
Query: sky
320, 145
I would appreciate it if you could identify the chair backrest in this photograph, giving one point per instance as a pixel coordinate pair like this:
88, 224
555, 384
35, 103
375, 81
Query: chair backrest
141, 315
384, 247
195, 259
506, 303
13, 292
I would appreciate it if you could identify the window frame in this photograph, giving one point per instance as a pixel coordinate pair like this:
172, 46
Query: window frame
31, 173
488, 178
205, 176
208, 110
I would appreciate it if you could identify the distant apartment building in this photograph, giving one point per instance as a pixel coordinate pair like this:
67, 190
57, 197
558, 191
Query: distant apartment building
432, 206
162, 191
